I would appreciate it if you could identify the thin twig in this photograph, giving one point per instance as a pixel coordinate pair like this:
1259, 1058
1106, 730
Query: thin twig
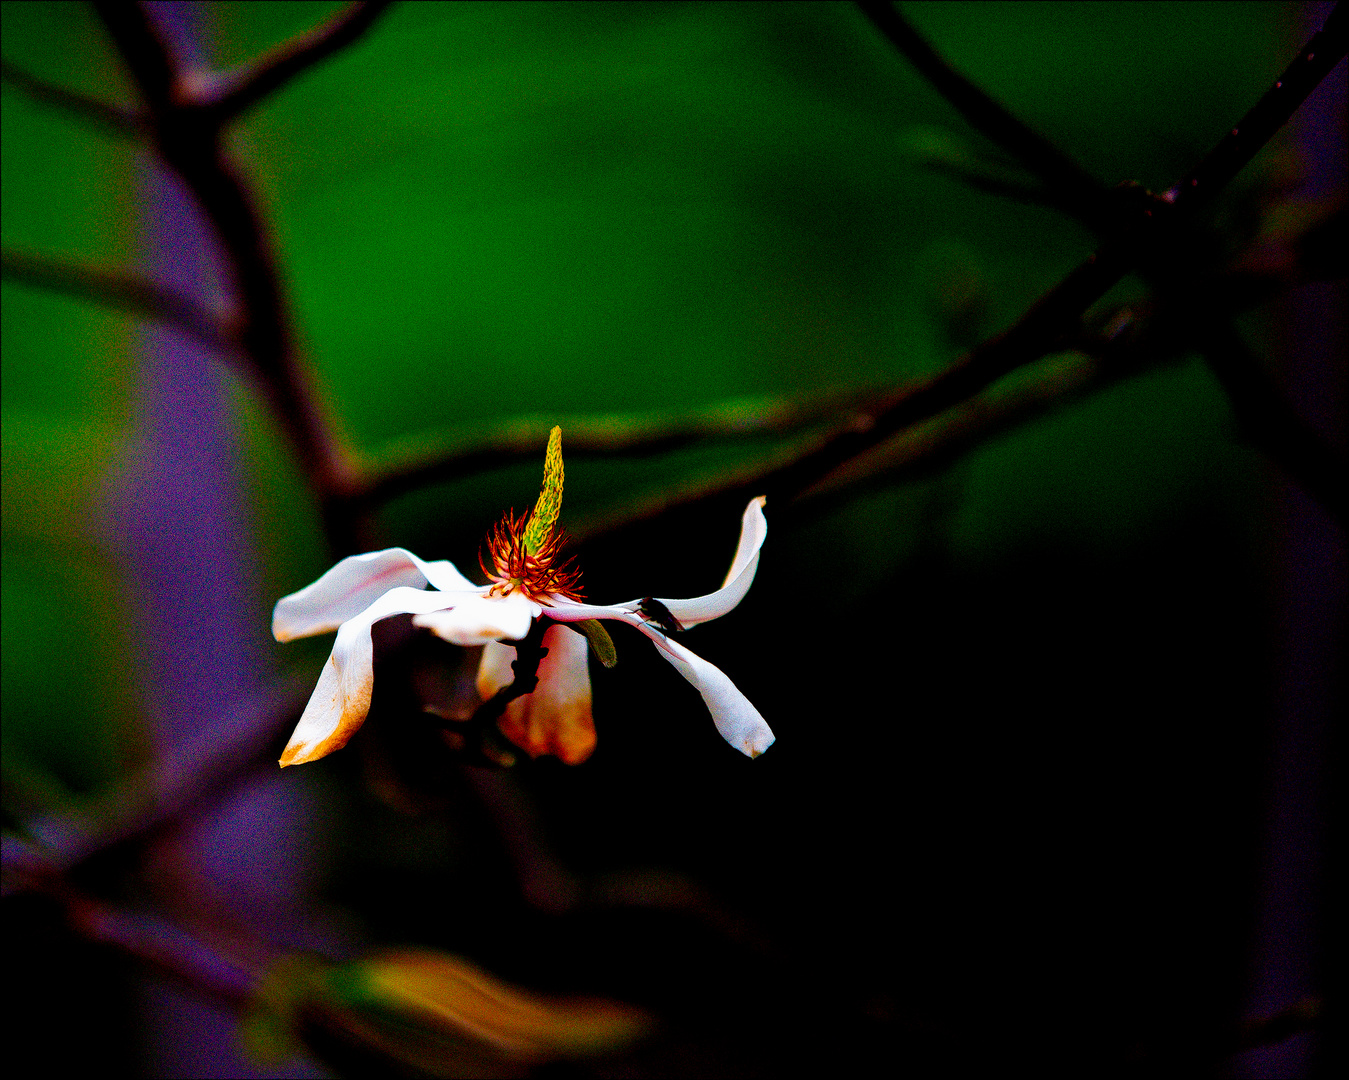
229, 94
724, 485
928, 448
991, 183
941, 151
1272, 423
1044, 328
152, 940
111, 119
1124, 342
1248, 137
438, 457
132, 294
1067, 182
168, 949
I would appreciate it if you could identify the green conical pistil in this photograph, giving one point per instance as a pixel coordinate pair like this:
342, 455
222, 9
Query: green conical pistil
549, 506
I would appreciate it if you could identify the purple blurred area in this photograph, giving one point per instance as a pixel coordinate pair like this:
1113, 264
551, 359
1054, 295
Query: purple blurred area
180, 518
1291, 953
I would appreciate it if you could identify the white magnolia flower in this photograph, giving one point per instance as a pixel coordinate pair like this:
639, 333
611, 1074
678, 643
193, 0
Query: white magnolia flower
529, 582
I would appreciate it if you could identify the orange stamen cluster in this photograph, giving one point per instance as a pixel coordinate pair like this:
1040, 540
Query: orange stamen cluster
541, 574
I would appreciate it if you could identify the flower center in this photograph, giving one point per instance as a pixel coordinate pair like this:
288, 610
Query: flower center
540, 574
525, 553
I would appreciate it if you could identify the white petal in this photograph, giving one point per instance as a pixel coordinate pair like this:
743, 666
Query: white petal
353, 585
556, 718
341, 699
739, 722
753, 530
476, 620
443, 575
570, 611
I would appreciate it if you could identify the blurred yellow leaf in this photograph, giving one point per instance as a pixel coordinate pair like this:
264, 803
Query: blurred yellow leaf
432, 1012
448, 992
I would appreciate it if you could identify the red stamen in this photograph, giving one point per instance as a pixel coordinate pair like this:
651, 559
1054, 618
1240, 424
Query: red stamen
540, 574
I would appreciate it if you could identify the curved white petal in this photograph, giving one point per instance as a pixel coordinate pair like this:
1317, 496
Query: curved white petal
753, 530
739, 722
353, 585
556, 718
341, 699
476, 620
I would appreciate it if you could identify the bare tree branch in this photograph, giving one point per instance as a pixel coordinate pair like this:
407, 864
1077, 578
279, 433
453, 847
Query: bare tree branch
1220, 165
189, 140
125, 292
154, 941
1271, 421
1048, 325
157, 794
928, 448
229, 94
190, 143
168, 949
438, 457
147, 57
917, 451
111, 119
1066, 182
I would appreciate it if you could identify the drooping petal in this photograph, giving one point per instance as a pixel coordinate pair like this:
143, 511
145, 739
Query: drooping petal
476, 620
556, 718
353, 585
494, 669
739, 722
341, 699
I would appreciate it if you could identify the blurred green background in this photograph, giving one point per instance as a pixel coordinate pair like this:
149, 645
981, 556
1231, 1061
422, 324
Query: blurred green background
1030, 686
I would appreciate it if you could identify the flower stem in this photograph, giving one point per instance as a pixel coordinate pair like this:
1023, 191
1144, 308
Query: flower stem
480, 734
